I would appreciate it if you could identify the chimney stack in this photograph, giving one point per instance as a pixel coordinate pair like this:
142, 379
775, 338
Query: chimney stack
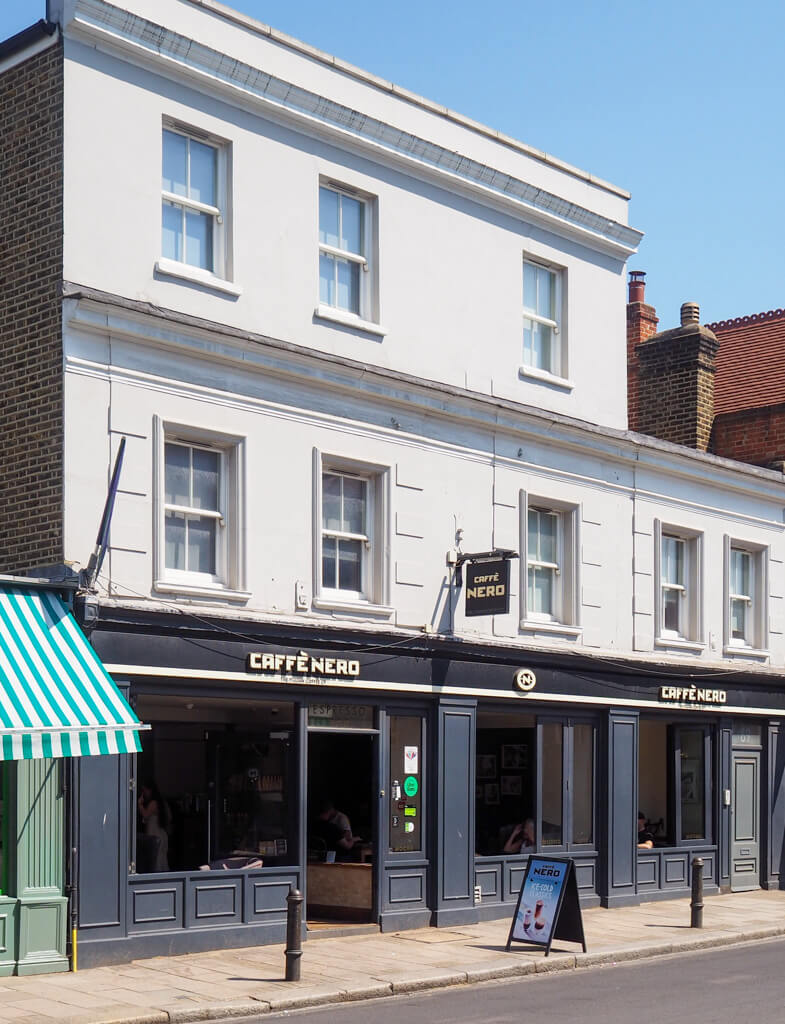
641, 324
690, 313
675, 380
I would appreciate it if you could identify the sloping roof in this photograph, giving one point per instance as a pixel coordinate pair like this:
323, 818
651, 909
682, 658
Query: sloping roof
750, 362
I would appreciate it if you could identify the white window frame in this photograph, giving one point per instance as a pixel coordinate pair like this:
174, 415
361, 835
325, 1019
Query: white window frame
366, 318
756, 641
555, 373
375, 596
219, 276
565, 619
228, 581
365, 539
690, 634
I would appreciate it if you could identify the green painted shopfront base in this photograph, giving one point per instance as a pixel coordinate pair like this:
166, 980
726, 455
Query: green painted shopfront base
34, 912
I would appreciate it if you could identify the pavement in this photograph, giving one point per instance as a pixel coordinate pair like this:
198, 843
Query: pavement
231, 984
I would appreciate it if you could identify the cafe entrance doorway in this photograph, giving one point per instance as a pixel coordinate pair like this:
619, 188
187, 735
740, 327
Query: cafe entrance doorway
342, 826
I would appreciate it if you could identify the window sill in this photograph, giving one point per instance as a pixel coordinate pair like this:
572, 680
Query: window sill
355, 607
216, 592
171, 268
680, 644
547, 378
737, 651
555, 628
338, 316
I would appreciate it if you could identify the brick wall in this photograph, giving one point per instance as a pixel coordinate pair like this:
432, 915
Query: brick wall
751, 435
641, 325
31, 269
676, 386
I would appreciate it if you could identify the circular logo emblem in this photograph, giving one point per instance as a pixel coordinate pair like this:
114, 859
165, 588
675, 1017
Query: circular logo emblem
410, 786
524, 679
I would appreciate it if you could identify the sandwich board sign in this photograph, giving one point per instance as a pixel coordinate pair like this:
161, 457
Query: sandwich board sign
548, 906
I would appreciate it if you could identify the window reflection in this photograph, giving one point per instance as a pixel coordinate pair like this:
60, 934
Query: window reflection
505, 795
672, 782
552, 762
212, 785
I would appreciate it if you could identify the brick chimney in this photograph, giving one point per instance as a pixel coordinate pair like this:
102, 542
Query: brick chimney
641, 324
675, 381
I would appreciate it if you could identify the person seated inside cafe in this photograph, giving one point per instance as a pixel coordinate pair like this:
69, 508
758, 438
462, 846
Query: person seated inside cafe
645, 835
335, 829
522, 838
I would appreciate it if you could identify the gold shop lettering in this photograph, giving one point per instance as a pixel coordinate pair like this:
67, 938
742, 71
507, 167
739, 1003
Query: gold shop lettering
693, 695
486, 586
301, 664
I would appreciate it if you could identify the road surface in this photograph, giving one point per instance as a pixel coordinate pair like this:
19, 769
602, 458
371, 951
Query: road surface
744, 984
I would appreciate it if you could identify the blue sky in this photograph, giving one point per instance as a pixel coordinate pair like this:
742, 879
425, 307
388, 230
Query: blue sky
680, 103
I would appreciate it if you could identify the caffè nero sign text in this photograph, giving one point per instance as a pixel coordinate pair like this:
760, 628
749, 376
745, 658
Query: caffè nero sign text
302, 664
693, 695
488, 587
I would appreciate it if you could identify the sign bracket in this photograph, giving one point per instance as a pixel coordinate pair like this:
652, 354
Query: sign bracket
480, 556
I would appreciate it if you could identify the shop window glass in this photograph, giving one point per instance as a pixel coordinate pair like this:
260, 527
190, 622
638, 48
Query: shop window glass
692, 794
213, 785
674, 782
552, 783
406, 807
583, 784
505, 784
509, 820
653, 784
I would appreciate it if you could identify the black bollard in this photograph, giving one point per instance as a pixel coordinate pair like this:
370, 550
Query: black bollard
294, 934
696, 903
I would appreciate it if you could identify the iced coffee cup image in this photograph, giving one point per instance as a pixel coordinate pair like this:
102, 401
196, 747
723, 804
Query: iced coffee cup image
524, 919
539, 920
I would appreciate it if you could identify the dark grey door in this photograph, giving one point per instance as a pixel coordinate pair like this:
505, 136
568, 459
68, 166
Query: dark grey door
745, 821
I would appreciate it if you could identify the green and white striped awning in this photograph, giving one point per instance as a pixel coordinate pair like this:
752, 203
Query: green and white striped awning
56, 698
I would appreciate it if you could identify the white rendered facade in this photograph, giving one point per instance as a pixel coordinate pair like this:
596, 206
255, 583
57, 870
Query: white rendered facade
349, 338
424, 390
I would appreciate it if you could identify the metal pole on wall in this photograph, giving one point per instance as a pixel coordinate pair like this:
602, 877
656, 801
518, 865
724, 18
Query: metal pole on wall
696, 903
294, 934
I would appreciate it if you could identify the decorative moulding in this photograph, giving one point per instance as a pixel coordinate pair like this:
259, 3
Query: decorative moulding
160, 46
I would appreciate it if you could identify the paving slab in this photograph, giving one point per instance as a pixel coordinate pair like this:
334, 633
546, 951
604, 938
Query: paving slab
232, 984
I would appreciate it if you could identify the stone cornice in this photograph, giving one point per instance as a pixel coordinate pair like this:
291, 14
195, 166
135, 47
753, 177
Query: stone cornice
102, 312
105, 25
259, 28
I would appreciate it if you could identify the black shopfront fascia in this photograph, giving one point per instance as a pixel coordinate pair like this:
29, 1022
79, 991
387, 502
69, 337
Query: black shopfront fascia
445, 680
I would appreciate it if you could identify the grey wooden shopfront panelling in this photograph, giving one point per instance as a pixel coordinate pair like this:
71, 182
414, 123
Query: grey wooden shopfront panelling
724, 743
102, 823
407, 886
774, 806
500, 878
454, 898
670, 870
404, 878
155, 904
622, 775
208, 899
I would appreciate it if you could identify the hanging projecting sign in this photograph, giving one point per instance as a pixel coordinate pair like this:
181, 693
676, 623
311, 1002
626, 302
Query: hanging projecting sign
488, 587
